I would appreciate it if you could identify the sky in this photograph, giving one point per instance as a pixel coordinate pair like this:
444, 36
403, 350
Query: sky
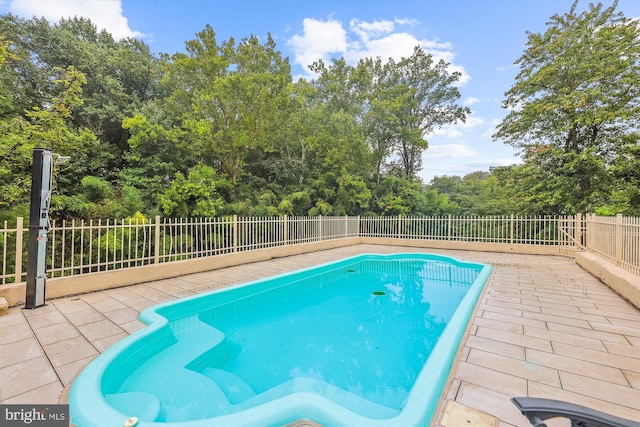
479, 38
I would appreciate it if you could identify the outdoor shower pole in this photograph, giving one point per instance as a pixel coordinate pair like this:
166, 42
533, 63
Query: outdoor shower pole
41, 173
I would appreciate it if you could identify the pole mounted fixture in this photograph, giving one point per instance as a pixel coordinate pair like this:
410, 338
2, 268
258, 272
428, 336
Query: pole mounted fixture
41, 174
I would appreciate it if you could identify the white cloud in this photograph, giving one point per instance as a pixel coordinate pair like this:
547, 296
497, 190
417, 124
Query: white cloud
471, 122
456, 130
449, 151
449, 132
319, 40
488, 134
406, 21
470, 100
396, 46
366, 30
105, 14
379, 38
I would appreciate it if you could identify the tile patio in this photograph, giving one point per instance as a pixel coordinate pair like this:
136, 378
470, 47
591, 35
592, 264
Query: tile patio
544, 328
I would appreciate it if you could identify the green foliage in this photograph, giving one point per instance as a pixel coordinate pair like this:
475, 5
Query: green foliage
195, 195
353, 195
482, 193
625, 168
392, 204
321, 208
95, 189
576, 95
300, 202
286, 207
402, 197
157, 150
132, 203
48, 128
227, 96
221, 128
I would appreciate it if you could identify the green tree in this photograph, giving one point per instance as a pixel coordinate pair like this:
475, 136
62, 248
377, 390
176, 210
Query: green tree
26, 82
157, 151
229, 95
106, 80
120, 76
576, 97
336, 140
48, 128
429, 103
625, 198
5, 76
353, 196
198, 194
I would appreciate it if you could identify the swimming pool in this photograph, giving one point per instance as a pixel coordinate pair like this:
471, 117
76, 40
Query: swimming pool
367, 340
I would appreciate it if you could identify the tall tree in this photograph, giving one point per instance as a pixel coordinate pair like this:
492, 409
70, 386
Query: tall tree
576, 97
109, 79
49, 128
5, 77
337, 110
430, 103
229, 95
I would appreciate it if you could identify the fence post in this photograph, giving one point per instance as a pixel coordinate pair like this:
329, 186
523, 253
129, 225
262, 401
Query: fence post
235, 233
320, 227
587, 231
511, 224
358, 226
618, 239
286, 230
577, 237
399, 226
346, 226
591, 231
18, 264
449, 228
156, 240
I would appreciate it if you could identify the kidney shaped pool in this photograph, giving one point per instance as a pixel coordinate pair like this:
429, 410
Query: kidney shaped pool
365, 341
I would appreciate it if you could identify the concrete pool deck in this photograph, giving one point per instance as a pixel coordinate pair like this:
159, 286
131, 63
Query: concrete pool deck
544, 328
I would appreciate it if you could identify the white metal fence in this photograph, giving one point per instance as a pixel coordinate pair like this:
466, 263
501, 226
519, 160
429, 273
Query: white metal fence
536, 230
79, 247
616, 239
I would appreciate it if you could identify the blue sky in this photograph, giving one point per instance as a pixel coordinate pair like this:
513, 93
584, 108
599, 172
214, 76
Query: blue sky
480, 38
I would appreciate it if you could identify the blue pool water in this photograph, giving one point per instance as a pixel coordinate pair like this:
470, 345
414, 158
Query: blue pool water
368, 340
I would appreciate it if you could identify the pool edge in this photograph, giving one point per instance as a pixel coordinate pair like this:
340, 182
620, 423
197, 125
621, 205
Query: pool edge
469, 311
447, 389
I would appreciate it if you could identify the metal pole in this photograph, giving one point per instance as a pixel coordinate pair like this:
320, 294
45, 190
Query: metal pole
38, 227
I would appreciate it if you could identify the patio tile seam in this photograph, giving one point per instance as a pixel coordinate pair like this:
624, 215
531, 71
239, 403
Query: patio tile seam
523, 369
28, 356
569, 383
564, 386
584, 332
46, 355
563, 363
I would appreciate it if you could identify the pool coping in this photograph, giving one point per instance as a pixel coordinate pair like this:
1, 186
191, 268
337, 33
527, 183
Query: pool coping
421, 402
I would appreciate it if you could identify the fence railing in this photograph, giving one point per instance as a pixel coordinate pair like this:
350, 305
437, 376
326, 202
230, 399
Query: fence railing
539, 230
79, 247
617, 239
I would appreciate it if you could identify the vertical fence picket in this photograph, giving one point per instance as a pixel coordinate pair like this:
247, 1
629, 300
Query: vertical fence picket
5, 239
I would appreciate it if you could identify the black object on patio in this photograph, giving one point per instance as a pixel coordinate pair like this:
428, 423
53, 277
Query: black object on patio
537, 410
